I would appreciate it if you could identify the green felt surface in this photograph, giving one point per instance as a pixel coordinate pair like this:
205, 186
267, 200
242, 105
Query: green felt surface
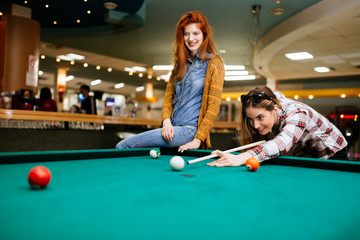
141, 198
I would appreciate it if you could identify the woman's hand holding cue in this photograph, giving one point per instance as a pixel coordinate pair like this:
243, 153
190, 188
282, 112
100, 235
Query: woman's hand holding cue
229, 160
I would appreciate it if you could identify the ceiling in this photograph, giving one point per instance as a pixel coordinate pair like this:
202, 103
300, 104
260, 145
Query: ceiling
140, 33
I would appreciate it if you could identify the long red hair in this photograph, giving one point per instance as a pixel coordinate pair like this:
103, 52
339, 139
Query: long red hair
181, 53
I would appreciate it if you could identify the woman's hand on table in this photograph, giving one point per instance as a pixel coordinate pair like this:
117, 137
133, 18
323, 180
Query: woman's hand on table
194, 144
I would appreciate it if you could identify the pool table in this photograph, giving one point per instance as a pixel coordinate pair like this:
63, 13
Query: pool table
125, 194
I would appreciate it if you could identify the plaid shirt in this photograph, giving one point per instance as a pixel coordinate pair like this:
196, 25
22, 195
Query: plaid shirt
303, 130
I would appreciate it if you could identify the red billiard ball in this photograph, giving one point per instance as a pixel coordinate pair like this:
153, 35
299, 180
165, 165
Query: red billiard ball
39, 177
252, 164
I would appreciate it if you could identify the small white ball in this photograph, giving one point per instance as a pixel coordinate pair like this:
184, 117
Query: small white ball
177, 163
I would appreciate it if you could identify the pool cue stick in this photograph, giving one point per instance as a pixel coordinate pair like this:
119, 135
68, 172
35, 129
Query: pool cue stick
227, 151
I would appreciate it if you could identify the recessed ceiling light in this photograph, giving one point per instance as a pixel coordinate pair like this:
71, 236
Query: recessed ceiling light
237, 78
75, 56
277, 11
163, 67
96, 82
322, 69
139, 89
299, 56
109, 69
42, 57
110, 5
234, 67
69, 78
235, 73
86, 65
119, 85
98, 67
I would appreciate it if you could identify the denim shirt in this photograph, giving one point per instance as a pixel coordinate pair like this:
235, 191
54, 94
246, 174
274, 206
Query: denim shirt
188, 94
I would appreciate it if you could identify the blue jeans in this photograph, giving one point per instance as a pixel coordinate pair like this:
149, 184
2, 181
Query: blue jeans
153, 138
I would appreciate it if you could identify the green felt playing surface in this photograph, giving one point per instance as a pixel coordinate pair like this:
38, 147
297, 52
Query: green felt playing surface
137, 197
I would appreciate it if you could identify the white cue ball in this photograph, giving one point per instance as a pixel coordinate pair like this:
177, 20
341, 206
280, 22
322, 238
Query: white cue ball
177, 163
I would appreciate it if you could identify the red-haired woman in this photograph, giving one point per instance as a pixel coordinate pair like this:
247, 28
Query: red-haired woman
193, 94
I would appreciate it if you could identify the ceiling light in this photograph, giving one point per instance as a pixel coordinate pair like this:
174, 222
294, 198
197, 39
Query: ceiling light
41, 73
166, 77
159, 78
228, 99
78, 21
141, 75
110, 5
139, 69
296, 97
75, 56
71, 57
55, 22
42, 57
88, 12
277, 11
233, 73
139, 89
86, 65
163, 67
236, 78
299, 56
322, 69
96, 82
65, 58
47, 5
98, 67
311, 96
150, 76
69, 78
234, 67
109, 69
343, 95
58, 59
72, 62
131, 73
119, 85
